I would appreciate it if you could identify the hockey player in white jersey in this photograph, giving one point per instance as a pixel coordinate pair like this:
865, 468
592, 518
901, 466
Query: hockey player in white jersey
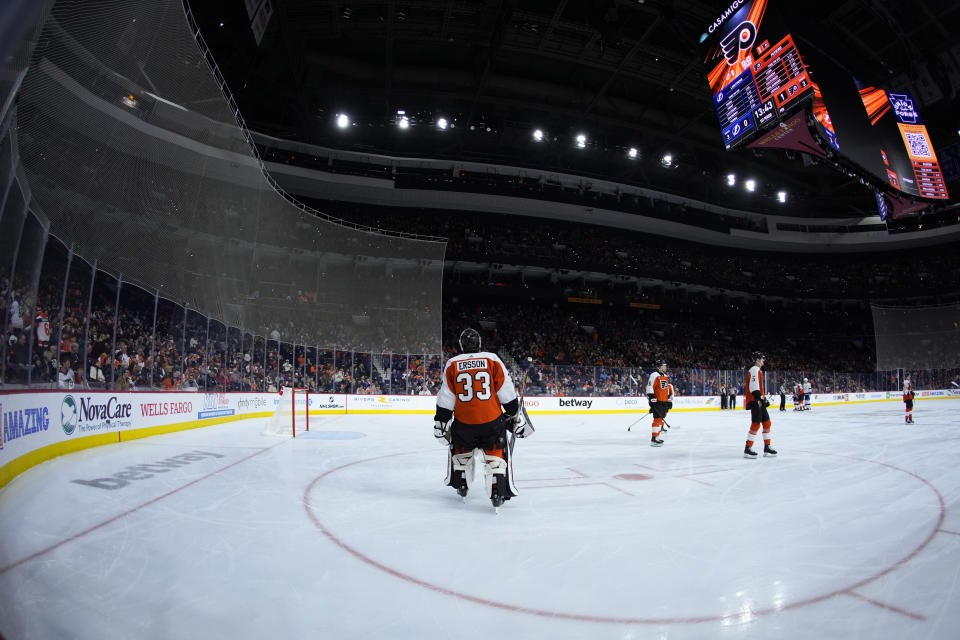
807, 392
757, 403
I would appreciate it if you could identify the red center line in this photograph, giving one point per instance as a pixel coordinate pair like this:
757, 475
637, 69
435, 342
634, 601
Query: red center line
126, 513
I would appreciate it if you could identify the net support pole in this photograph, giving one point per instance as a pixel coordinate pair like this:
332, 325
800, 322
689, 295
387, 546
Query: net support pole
34, 287
63, 302
226, 357
183, 343
86, 323
243, 358
153, 336
206, 356
113, 340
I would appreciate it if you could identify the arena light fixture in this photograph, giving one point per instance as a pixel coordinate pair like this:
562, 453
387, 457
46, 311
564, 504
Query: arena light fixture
538, 135
632, 153
666, 159
782, 197
581, 141
731, 179
751, 185
442, 123
343, 120
402, 120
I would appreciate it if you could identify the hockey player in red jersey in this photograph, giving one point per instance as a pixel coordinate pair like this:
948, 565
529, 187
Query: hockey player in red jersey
757, 403
908, 398
659, 397
476, 384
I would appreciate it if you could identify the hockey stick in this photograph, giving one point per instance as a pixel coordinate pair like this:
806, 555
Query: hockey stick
638, 420
522, 410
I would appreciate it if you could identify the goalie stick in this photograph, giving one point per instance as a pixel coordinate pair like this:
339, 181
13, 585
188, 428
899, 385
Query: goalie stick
522, 411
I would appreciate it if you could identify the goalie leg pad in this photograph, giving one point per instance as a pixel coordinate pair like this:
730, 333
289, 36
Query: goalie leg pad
495, 465
499, 470
458, 466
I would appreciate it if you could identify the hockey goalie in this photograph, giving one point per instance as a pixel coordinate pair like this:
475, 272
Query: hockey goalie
469, 420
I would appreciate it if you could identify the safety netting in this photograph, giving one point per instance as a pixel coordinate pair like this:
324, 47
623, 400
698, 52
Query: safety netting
915, 338
137, 156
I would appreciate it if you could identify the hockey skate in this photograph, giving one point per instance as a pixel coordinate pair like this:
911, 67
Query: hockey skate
769, 452
496, 499
655, 441
749, 453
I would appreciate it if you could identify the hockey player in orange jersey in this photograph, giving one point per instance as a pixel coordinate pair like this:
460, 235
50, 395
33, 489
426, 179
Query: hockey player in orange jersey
476, 384
757, 403
659, 397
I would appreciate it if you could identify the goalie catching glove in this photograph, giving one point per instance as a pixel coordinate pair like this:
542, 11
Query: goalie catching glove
515, 421
517, 425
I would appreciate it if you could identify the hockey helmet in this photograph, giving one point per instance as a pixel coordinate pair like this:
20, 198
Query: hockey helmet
805, 380
758, 355
661, 364
469, 340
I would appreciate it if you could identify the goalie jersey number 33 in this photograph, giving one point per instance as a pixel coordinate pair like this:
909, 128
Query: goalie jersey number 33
474, 386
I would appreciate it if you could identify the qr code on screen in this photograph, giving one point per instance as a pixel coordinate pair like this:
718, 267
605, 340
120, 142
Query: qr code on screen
918, 145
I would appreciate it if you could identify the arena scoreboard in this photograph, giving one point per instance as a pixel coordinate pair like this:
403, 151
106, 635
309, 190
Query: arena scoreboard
766, 94
755, 71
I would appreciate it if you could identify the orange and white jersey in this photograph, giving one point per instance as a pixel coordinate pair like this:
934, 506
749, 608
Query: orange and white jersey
659, 385
475, 385
754, 382
670, 392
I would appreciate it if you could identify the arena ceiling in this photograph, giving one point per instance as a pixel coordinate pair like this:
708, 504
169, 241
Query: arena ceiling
626, 73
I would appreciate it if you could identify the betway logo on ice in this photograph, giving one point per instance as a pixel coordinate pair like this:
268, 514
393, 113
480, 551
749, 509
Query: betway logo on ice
574, 402
144, 471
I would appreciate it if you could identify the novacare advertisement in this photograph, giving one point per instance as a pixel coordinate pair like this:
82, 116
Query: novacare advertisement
40, 426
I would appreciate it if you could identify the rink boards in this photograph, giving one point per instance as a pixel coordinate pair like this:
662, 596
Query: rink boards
41, 425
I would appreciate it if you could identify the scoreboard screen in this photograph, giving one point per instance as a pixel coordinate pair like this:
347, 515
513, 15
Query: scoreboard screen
735, 105
755, 72
767, 95
928, 180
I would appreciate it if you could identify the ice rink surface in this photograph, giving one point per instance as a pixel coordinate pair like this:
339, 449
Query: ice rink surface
852, 532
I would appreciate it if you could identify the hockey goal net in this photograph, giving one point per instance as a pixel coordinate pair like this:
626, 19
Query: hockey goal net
291, 415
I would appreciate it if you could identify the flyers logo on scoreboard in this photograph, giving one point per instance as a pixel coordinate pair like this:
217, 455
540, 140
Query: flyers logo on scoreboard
740, 39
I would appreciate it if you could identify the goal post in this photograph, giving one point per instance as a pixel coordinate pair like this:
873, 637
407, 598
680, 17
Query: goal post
292, 414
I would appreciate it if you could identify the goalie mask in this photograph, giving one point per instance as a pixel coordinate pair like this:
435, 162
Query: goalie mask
469, 341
